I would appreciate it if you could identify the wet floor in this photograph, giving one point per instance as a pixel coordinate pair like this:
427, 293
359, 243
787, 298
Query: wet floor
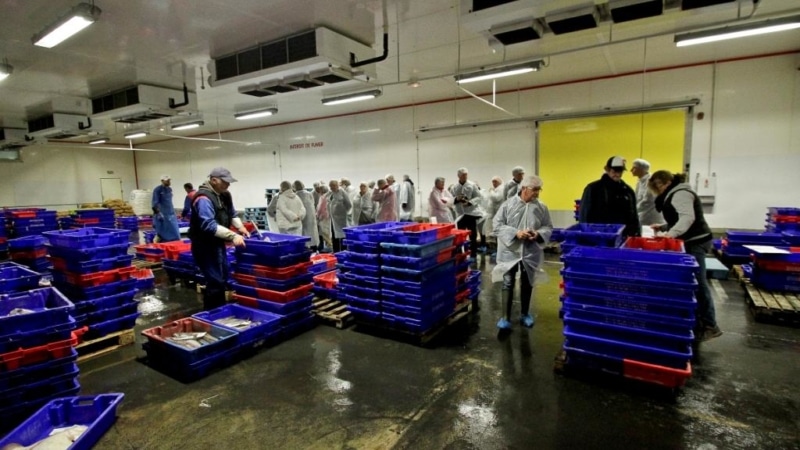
344, 389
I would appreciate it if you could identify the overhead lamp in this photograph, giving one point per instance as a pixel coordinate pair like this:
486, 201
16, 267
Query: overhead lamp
136, 135
6, 69
255, 114
99, 141
187, 125
499, 72
350, 98
737, 31
78, 18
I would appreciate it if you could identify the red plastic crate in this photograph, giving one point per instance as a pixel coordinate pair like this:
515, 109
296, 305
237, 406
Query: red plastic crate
442, 229
34, 355
87, 221
329, 258
655, 243
281, 297
461, 278
462, 297
98, 278
784, 219
284, 273
149, 258
461, 236
461, 257
173, 249
28, 254
22, 214
651, 373
327, 280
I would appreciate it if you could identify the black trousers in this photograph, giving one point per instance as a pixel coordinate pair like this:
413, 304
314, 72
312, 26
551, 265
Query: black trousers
337, 242
526, 289
212, 260
470, 223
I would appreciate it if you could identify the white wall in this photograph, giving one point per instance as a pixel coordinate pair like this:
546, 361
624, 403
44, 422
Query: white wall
61, 178
749, 138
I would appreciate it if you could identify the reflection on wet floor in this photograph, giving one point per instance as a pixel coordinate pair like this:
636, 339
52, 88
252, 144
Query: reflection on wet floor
331, 388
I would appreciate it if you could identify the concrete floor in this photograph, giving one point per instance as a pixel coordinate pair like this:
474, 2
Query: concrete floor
344, 389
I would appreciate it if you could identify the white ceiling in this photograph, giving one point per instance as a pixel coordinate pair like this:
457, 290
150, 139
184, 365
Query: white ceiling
167, 42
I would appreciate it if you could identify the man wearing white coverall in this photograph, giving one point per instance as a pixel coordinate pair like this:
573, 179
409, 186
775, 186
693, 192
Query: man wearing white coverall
523, 227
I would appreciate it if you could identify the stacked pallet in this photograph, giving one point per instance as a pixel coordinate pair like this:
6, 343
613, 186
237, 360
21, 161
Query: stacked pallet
257, 216
631, 311
37, 354
271, 274
30, 251
90, 218
91, 266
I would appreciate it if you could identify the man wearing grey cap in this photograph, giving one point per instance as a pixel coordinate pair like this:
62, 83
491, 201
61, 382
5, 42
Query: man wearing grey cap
609, 200
210, 225
164, 219
645, 200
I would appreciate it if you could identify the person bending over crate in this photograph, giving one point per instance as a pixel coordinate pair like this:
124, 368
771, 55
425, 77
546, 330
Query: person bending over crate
523, 227
210, 225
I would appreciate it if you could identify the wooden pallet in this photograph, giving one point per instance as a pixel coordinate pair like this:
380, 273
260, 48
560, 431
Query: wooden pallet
767, 306
333, 311
106, 344
142, 264
462, 311
739, 274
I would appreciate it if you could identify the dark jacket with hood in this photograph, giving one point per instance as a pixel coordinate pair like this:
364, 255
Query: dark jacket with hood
608, 201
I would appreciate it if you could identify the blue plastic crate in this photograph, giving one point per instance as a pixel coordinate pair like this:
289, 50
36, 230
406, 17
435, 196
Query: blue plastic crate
360, 280
360, 302
582, 359
27, 339
282, 285
369, 259
621, 285
104, 315
557, 235
29, 390
187, 373
368, 270
630, 302
790, 257
360, 291
97, 265
371, 232
297, 316
274, 244
366, 315
754, 238
417, 251
633, 264
20, 411
100, 329
474, 278
408, 324
94, 213
781, 227
446, 283
622, 317
783, 211
594, 235
673, 341
406, 262
255, 336
443, 270
97, 413
417, 301
50, 307
87, 238
15, 379
362, 247
16, 279
26, 243
791, 237
430, 312
281, 309
297, 328
417, 234
776, 281
111, 251
670, 358
281, 260
158, 340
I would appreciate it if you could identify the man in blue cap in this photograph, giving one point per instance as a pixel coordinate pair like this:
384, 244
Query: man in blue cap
210, 228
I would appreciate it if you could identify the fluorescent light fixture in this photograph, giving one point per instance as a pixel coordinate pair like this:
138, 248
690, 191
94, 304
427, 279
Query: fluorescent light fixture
256, 114
136, 135
350, 98
5, 70
737, 31
99, 141
500, 72
188, 125
78, 18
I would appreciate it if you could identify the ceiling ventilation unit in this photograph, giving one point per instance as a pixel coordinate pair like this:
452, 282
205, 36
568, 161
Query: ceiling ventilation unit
572, 20
142, 103
509, 22
694, 4
301, 61
11, 138
60, 126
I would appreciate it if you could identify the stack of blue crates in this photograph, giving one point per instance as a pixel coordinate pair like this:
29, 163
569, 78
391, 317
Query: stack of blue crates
128, 223
777, 272
577, 214
360, 270
781, 219
37, 355
30, 251
733, 247
94, 217
592, 235
3, 238
625, 306
271, 274
91, 266
183, 267
30, 222
264, 327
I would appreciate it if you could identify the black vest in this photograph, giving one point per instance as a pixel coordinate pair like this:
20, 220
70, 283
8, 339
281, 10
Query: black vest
222, 204
699, 231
